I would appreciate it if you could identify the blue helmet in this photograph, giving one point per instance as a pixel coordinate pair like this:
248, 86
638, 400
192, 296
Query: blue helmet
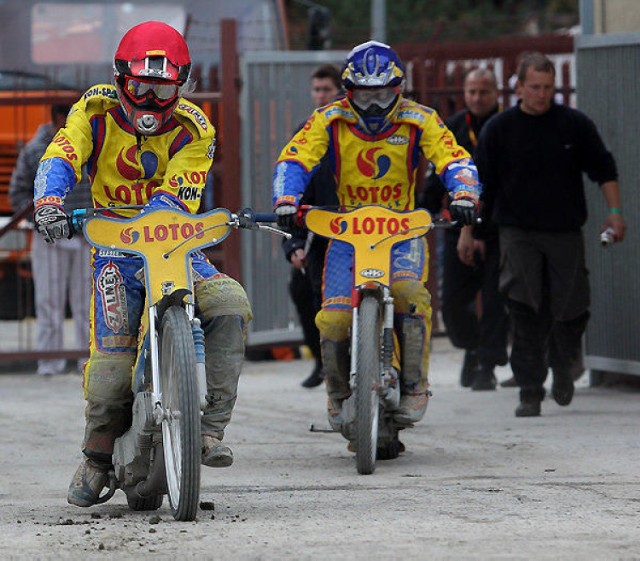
372, 65
373, 76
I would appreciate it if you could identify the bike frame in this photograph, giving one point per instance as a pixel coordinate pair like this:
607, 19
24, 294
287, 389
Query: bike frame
372, 231
165, 240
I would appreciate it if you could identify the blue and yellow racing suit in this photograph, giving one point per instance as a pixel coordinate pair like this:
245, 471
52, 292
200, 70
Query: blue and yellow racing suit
169, 168
378, 170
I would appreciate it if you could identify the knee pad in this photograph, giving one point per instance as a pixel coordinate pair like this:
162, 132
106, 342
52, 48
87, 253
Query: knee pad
334, 325
410, 296
222, 296
108, 377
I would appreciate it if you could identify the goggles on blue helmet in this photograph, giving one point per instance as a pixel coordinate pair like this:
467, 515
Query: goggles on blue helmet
364, 98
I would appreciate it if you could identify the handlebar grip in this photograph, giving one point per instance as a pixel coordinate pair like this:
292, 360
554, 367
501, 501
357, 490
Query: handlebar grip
264, 217
76, 220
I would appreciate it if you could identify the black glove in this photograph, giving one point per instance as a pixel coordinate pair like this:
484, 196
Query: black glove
464, 210
51, 222
286, 216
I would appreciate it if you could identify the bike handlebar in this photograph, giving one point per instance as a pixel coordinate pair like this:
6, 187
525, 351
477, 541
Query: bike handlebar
246, 218
250, 219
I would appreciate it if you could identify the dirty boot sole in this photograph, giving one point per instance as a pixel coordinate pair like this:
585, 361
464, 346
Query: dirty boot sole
220, 457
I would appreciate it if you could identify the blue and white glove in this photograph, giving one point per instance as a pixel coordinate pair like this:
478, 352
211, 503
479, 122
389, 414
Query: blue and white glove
51, 222
286, 215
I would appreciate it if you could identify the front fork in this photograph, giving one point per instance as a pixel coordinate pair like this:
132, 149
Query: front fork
198, 341
389, 389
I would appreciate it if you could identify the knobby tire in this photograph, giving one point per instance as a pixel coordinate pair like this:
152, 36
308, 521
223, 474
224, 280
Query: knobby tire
181, 400
367, 381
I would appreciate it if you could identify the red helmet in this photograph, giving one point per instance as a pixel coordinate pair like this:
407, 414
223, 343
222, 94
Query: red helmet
151, 66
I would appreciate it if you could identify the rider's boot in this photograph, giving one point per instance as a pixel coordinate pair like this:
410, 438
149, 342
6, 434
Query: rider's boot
335, 358
87, 483
214, 453
224, 347
414, 385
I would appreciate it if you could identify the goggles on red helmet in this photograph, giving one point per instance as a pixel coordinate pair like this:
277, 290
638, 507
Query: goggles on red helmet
140, 90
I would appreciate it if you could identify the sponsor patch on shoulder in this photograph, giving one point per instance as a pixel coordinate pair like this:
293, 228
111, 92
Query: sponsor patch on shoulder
198, 117
398, 139
411, 114
105, 91
338, 112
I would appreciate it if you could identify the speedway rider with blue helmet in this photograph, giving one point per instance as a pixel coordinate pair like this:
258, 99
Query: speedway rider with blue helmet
143, 144
374, 138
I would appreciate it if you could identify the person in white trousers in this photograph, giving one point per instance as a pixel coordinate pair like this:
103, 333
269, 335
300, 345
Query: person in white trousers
61, 272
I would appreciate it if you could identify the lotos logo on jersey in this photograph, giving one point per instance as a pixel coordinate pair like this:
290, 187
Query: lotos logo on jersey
374, 194
338, 226
189, 178
66, 147
128, 166
449, 141
138, 193
162, 232
380, 225
113, 297
370, 166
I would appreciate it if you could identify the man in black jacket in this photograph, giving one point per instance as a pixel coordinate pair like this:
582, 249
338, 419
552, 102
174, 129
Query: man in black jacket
306, 251
473, 267
531, 159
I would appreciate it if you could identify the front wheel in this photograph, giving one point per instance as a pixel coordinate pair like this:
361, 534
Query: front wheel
367, 383
181, 422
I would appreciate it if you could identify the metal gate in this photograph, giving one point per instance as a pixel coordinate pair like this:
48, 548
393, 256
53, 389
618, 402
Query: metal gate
609, 93
275, 99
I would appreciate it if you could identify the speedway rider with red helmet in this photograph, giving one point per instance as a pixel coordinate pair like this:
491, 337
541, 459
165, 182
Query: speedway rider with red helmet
374, 138
143, 144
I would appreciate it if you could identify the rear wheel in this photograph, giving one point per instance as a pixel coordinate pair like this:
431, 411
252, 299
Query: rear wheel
181, 423
367, 382
390, 450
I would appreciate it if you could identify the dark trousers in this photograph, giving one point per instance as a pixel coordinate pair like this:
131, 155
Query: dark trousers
305, 289
544, 278
540, 343
486, 334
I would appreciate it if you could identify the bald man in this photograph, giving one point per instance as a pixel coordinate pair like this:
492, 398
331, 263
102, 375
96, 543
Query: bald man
471, 265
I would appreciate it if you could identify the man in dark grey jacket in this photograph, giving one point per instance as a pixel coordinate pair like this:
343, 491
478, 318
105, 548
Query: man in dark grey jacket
59, 270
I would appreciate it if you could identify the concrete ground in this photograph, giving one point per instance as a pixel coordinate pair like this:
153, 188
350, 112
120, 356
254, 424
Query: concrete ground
474, 483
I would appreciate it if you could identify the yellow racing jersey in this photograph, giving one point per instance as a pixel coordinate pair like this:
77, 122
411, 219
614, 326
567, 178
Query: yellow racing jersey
124, 167
373, 169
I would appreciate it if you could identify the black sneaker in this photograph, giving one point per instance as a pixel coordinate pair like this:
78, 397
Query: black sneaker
469, 367
315, 378
528, 408
562, 387
484, 380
